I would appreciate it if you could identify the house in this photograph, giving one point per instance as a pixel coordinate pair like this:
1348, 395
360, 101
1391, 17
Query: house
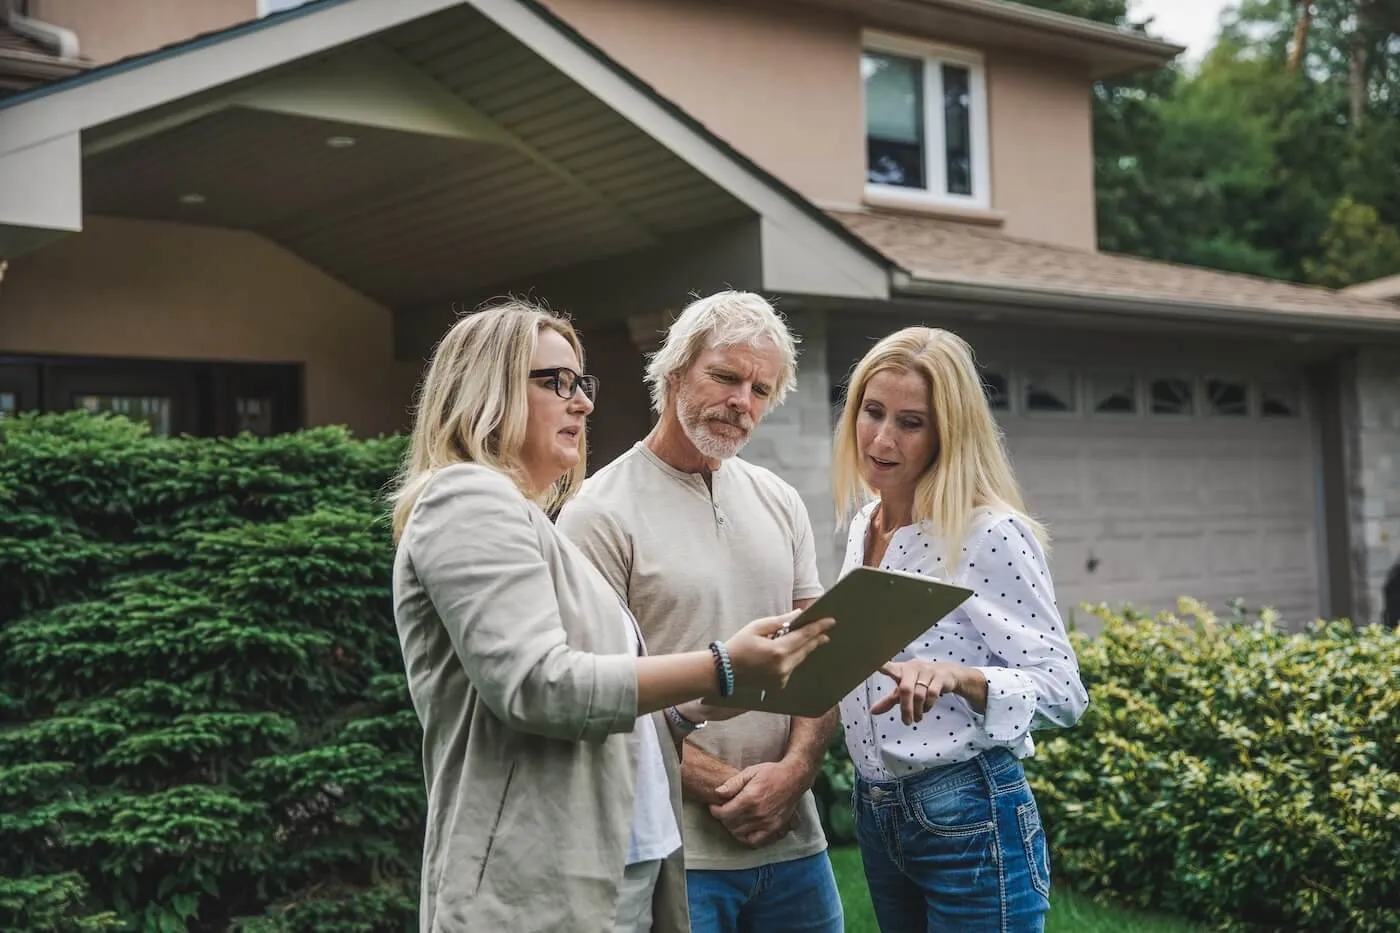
1386, 289
233, 216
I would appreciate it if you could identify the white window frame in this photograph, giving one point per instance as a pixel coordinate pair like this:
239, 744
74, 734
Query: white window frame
268, 7
1023, 382
1122, 372
1197, 407
935, 149
1251, 405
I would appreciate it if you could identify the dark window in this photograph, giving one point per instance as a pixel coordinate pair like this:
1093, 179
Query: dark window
1280, 400
997, 389
19, 387
173, 397
894, 119
1171, 396
957, 128
1112, 394
1227, 397
1049, 391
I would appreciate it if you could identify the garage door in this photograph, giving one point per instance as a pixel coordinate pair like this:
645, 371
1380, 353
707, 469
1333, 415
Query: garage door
1157, 485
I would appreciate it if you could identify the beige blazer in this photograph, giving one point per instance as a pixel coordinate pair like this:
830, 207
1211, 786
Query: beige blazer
520, 670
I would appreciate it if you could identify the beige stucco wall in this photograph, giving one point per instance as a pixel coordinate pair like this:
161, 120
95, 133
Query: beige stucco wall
158, 290
1040, 115
112, 29
781, 83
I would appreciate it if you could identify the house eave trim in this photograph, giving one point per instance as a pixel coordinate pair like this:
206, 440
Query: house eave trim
982, 293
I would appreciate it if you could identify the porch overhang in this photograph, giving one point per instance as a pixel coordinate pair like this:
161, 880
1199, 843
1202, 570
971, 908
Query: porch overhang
414, 150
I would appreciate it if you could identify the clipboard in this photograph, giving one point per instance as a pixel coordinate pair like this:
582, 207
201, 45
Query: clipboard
878, 613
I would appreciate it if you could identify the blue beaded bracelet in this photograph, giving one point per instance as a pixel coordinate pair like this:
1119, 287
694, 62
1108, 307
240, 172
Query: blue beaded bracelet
724, 667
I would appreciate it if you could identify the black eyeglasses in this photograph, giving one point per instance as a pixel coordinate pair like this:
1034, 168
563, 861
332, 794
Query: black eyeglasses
565, 382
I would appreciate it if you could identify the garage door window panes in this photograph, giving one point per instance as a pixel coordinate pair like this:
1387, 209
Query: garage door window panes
1171, 395
997, 388
1280, 400
1227, 397
1113, 394
1048, 392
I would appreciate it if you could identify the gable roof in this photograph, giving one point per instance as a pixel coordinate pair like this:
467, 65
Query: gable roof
802, 250
929, 256
199, 40
1386, 289
962, 259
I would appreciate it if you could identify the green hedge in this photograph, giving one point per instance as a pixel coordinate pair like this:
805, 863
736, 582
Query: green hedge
204, 724
1231, 772
1225, 771
203, 717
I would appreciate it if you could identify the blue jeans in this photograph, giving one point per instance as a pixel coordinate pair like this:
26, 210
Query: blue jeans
798, 896
955, 848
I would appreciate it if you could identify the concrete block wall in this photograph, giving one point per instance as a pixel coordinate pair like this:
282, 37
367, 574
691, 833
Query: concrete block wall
1375, 487
794, 440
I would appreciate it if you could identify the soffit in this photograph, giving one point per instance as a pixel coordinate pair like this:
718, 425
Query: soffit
559, 178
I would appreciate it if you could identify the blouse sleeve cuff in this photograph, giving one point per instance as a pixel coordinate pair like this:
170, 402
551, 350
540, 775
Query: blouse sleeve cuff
1010, 705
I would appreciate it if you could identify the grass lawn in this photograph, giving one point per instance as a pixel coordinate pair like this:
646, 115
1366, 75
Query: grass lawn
1069, 913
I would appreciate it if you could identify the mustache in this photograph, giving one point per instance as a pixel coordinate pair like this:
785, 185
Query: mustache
734, 418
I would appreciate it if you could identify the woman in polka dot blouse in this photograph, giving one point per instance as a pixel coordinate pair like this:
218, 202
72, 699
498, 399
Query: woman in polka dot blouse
948, 827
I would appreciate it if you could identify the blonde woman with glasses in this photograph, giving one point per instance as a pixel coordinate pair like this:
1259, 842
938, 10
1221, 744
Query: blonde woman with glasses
551, 738
947, 825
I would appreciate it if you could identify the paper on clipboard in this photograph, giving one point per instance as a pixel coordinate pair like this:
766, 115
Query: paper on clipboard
878, 613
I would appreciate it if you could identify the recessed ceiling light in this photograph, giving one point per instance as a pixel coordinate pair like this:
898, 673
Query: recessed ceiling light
340, 142
193, 197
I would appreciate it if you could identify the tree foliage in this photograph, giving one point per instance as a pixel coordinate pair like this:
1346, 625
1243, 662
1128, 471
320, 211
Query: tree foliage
1266, 157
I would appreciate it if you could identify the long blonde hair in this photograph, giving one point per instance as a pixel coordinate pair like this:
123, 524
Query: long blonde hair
473, 408
971, 469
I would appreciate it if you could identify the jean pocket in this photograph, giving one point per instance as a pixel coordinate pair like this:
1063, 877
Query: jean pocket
1037, 849
965, 810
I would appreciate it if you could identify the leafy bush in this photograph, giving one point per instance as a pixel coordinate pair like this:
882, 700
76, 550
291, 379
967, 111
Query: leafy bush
204, 724
203, 717
1225, 771
1232, 772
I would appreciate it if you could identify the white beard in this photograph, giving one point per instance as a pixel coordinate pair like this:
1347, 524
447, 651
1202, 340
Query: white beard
709, 444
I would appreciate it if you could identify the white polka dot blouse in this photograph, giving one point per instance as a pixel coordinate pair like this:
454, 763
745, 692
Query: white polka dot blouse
1009, 629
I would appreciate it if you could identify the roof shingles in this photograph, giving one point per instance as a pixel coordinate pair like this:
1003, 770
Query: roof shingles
936, 250
14, 42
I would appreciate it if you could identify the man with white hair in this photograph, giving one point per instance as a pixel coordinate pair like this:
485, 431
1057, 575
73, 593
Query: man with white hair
698, 542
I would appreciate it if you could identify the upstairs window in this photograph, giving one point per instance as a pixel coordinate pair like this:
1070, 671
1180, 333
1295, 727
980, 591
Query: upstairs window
268, 7
925, 122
